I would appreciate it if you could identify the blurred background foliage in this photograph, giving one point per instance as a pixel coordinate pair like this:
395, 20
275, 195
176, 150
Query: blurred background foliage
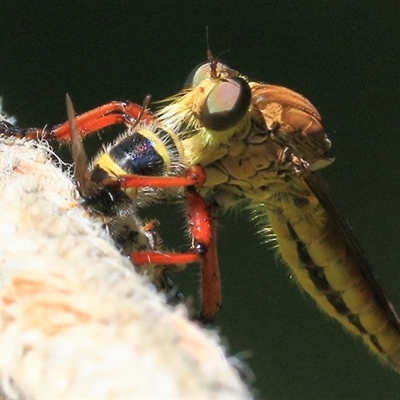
343, 55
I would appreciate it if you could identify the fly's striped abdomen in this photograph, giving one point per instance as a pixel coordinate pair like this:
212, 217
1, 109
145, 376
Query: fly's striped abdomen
327, 262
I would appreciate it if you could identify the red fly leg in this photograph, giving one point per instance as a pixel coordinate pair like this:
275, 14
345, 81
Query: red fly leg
166, 258
115, 112
203, 231
194, 176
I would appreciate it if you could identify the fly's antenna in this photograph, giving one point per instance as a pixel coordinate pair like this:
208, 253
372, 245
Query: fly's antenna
212, 61
210, 56
78, 151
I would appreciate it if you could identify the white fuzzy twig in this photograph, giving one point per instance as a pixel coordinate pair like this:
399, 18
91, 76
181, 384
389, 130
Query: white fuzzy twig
76, 320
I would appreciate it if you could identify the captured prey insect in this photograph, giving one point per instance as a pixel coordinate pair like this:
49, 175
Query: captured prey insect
146, 156
116, 209
259, 144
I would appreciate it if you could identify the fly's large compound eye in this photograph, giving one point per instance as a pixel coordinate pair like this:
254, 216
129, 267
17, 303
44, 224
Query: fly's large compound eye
202, 71
227, 104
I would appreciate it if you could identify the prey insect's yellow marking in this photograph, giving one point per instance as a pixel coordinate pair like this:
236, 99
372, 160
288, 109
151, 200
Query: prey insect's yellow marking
107, 164
265, 157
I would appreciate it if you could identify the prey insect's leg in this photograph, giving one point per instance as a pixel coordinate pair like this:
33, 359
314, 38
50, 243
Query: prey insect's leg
9, 130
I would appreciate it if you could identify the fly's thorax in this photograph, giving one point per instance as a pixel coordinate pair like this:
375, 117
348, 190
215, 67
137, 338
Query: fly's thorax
264, 94
285, 138
293, 122
255, 167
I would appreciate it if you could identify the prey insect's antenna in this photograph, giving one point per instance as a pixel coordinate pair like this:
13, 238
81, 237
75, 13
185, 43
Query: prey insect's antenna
145, 104
78, 151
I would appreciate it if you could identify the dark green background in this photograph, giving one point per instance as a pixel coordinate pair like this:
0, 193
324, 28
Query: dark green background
343, 55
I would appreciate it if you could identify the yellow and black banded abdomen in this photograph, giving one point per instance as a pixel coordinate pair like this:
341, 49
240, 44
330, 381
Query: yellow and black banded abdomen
151, 150
324, 257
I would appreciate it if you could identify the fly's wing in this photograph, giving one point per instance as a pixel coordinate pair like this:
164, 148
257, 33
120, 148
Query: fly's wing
321, 191
319, 247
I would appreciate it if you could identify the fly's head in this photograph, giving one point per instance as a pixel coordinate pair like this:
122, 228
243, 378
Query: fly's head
212, 107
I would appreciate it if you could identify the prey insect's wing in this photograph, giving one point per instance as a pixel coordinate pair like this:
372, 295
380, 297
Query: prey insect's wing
78, 151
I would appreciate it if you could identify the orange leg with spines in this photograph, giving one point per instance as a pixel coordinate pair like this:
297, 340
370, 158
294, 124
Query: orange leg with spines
115, 112
201, 224
202, 229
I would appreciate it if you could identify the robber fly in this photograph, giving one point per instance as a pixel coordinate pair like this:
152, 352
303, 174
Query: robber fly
259, 144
